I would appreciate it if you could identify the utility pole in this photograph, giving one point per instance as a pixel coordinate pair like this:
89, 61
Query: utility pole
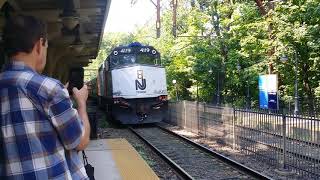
248, 95
174, 18
158, 24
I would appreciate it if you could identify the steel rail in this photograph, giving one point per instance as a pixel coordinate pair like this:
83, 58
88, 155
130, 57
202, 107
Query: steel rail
182, 173
223, 158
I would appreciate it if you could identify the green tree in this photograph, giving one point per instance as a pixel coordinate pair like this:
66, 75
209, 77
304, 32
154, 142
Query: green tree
223, 46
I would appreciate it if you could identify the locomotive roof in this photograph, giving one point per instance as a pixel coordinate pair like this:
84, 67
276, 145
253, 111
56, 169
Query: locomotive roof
133, 47
136, 47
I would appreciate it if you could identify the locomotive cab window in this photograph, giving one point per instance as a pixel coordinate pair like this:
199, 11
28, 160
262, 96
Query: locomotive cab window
148, 59
123, 60
130, 59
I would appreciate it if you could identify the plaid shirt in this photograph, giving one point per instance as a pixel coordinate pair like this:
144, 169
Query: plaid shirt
39, 128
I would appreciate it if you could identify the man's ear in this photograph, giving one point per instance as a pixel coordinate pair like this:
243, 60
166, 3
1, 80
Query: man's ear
38, 46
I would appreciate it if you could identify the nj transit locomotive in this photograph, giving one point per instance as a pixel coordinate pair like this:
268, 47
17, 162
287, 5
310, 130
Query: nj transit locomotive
132, 85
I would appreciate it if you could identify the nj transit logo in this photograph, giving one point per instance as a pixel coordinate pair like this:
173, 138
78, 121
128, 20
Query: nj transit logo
143, 84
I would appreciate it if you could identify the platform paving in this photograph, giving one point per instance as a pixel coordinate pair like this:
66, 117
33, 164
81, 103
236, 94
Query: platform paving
115, 159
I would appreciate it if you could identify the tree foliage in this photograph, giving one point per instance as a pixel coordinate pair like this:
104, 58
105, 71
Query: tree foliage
224, 45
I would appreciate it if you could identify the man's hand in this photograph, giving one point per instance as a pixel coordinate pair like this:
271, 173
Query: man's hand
81, 95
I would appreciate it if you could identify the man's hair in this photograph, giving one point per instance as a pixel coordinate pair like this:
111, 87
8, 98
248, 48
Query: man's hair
20, 34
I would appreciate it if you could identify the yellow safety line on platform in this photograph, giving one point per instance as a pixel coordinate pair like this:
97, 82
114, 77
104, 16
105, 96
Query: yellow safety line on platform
128, 161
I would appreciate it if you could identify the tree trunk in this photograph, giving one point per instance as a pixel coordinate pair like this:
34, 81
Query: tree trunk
264, 12
262, 9
223, 50
308, 89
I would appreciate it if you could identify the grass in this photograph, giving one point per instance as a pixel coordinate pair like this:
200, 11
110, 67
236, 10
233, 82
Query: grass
103, 122
140, 149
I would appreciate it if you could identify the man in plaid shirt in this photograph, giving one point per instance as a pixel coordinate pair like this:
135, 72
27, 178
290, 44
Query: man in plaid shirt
41, 133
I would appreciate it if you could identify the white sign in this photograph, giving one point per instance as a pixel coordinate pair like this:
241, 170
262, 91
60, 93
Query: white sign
268, 83
139, 82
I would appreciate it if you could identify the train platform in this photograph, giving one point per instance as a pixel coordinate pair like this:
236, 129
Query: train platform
116, 159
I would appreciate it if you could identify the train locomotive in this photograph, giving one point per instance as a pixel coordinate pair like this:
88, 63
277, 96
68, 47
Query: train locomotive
131, 85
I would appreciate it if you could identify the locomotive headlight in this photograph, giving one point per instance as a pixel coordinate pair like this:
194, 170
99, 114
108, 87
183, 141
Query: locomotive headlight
154, 52
116, 101
121, 102
162, 98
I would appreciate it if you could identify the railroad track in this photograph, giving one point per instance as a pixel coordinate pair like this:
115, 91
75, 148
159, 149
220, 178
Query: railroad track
192, 160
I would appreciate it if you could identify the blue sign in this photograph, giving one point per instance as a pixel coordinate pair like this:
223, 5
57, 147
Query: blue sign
263, 98
268, 91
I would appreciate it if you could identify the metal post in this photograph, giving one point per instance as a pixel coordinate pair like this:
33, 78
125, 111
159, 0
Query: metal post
185, 114
205, 119
198, 118
233, 128
289, 106
218, 89
197, 91
177, 98
169, 114
284, 132
296, 98
248, 95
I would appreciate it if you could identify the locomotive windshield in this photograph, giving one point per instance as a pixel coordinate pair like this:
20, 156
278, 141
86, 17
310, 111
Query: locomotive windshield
130, 56
122, 60
147, 59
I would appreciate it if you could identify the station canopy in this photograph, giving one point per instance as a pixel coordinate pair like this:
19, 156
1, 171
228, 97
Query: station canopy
75, 29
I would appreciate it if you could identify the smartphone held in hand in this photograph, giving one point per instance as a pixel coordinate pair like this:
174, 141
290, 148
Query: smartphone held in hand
75, 79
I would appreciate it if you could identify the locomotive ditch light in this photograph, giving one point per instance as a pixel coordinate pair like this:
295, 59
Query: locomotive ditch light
142, 116
157, 106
